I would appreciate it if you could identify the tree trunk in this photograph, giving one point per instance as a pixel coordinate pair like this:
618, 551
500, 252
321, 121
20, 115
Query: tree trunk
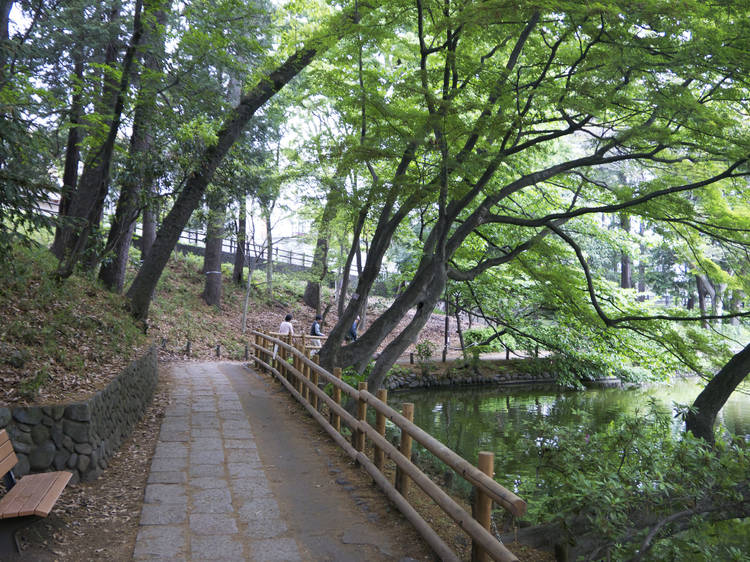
150, 214
734, 305
708, 403
212, 256
642, 263
87, 202
626, 263
704, 289
319, 268
459, 330
138, 181
269, 260
72, 156
142, 290
431, 294
349, 258
239, 254
5, 6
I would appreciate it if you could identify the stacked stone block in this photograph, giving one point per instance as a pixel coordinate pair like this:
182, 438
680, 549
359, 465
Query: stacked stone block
82, 436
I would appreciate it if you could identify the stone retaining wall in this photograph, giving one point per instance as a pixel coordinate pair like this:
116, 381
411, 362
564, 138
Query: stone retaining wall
80, 437
418, 380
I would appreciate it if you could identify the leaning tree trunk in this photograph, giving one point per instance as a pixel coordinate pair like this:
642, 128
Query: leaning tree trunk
141, 291
85, 206
701, 420
138, 181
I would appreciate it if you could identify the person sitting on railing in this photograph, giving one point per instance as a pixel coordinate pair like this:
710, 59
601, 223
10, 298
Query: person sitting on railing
315, 329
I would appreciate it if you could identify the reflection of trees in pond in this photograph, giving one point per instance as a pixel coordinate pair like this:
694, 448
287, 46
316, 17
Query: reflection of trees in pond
483, 418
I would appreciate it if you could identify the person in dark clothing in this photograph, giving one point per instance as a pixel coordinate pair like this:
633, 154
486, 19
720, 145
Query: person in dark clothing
352, 335
315, 328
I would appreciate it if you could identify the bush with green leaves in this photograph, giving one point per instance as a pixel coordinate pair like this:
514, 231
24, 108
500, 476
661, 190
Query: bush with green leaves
635, 488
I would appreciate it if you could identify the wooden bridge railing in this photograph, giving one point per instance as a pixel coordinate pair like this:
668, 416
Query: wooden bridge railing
302, 376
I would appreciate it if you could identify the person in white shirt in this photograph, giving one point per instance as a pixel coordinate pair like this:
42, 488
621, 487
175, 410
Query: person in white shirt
286, 326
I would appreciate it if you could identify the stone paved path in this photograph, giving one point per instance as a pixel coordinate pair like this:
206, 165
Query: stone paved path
207, 496
237, 475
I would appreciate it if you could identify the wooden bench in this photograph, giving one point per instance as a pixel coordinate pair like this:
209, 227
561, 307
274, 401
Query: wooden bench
27, 499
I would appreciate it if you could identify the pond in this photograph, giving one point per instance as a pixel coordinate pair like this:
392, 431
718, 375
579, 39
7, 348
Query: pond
473, 419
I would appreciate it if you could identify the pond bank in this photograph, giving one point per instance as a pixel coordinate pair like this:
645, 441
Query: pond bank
406, 379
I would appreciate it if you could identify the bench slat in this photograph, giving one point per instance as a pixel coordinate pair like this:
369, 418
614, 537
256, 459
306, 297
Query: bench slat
25, 496
46, 505
8, 457
6, 450
8, 462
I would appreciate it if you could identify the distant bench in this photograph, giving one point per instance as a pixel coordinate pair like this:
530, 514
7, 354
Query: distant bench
27, 499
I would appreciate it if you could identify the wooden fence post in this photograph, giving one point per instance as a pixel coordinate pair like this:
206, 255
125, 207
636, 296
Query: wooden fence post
380, 428
305, 368
315, 378
337, 398
359, 436
287, 374
402, 479
483, 505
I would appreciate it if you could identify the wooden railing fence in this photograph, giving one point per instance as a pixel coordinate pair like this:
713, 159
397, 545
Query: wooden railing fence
289, 359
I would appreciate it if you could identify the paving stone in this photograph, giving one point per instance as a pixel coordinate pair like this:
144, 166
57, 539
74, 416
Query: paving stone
165, 493
206, 433
259, 509
163, 514
266, 528
160, 542
212, 456
237, 433
239, 444
171, 450
162, 465
208, 483
211, 470
273, 550
240, 425
246, 489
216, 548
216, 500
248, 456
182, 436
167, 477
242, 469
206, 444
206, 423
212, 524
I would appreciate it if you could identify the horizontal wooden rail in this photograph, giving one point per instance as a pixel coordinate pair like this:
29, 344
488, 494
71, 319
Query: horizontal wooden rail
298, 377
431, 537
469, 472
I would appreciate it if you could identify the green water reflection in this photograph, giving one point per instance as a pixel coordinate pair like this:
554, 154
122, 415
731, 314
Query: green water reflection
475, 419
